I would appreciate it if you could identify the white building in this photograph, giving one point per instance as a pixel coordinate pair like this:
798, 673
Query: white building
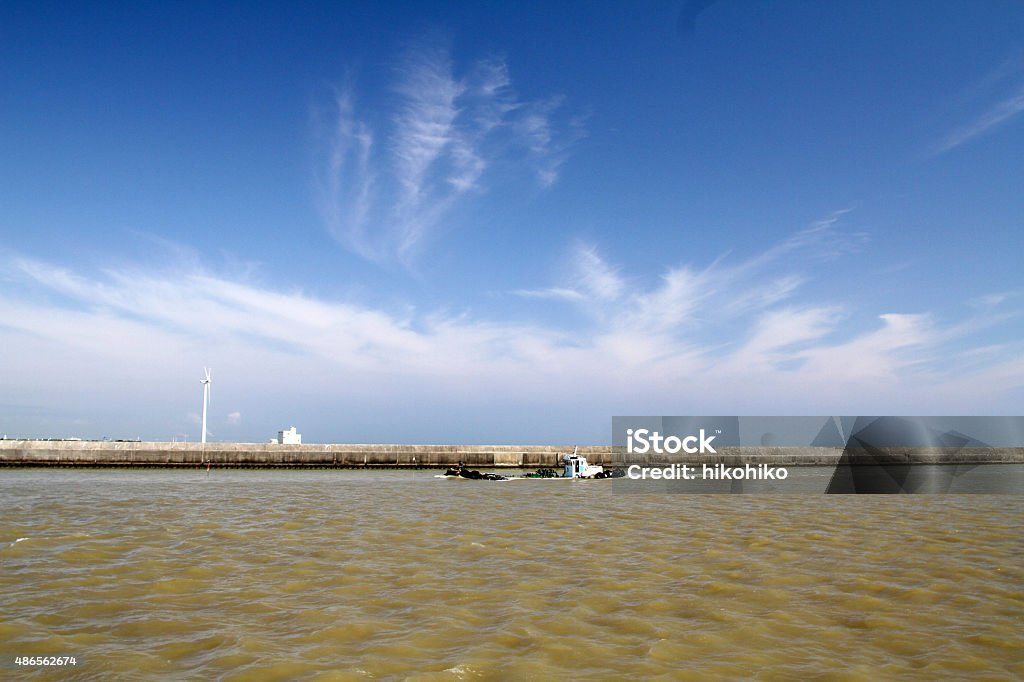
288, 437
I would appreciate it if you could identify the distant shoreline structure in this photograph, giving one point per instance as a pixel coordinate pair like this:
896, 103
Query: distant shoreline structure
129, 454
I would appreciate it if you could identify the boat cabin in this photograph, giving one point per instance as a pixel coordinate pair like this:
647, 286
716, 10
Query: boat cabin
576, 466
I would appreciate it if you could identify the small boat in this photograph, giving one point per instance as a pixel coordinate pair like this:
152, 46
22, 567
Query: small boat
576, 466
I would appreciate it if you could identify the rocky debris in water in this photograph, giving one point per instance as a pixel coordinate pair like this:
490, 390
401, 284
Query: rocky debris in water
611, 473
463, 472
544, 473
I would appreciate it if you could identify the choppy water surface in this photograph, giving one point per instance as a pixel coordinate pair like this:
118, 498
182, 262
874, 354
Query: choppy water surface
331, 575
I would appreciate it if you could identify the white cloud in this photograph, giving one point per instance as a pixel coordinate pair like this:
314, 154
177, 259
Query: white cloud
596, 277
561, 293
384, 196
991, 302
1003, 90
735, 338
776, 332
591, 279
877, 357
996, 115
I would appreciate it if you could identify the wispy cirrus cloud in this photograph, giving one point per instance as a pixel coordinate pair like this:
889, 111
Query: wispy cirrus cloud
729, 288
556, 293
390, 172
996, 115
592, 279
1006, 80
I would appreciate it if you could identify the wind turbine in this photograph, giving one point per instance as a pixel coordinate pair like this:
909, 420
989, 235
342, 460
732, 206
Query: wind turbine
205, 381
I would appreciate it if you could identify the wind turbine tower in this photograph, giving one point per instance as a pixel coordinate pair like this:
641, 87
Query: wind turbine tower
205, 381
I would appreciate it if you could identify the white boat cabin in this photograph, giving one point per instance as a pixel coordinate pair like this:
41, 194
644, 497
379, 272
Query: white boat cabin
576, 466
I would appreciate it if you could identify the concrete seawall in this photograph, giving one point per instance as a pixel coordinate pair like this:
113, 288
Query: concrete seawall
21, 453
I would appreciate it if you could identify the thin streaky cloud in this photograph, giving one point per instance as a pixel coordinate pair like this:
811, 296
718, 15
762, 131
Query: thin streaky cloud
1003, 89
685, 292
824, 239
556, 293
595, 276
776, 333
1007, 70
389, 176
345, 181
997, 115
994, 300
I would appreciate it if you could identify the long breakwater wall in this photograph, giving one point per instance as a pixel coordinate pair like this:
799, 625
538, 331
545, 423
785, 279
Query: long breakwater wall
22, 453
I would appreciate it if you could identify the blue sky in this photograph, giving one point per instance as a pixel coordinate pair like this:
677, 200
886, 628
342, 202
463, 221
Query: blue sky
506, 222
